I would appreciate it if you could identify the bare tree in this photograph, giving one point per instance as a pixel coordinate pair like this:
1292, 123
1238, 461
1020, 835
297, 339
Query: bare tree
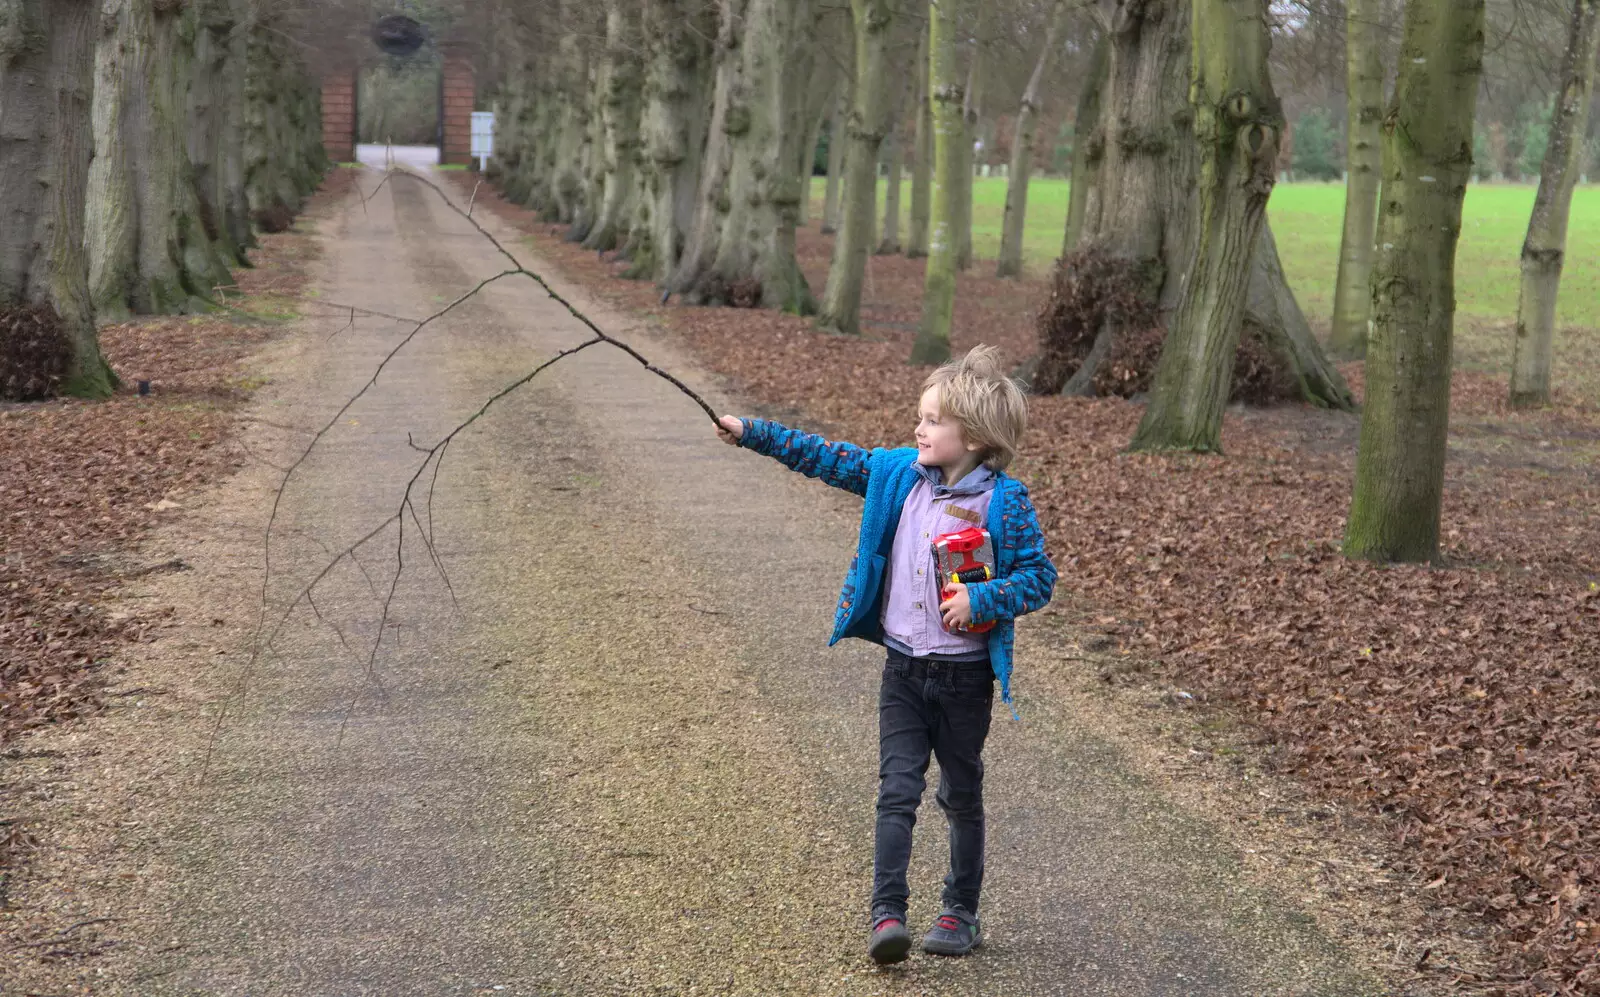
893, 170
1544, 249
837, 148
949, 134
922, 158
1017, 176
1352, 296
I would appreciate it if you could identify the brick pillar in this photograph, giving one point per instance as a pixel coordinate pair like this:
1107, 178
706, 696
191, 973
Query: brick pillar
339, 115
459, 99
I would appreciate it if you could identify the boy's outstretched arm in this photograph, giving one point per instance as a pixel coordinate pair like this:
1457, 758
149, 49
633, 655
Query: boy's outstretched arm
842, 465
1032, 579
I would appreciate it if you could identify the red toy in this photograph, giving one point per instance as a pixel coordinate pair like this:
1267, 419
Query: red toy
965, 556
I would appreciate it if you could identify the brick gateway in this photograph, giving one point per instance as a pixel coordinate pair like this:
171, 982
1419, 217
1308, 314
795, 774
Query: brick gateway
458, 94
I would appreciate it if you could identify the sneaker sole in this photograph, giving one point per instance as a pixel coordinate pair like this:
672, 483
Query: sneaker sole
890, 947
935, 948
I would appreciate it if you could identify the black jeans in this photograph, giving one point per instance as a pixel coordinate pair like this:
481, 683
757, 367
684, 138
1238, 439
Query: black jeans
940, 709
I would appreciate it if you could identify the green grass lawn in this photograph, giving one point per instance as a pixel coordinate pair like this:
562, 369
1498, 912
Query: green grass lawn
1307, 218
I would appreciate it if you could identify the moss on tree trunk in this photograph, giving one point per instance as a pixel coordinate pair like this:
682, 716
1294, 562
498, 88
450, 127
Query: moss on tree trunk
893, 158
1427, 161
961, 175
283, 154
1237, 123
759, 110
1134, 199
151, 249
711, 199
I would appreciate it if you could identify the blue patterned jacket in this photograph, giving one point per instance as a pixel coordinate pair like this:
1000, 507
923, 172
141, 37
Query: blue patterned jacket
1024, 580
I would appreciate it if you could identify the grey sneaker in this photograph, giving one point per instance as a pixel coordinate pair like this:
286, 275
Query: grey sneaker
890, 941
954, 932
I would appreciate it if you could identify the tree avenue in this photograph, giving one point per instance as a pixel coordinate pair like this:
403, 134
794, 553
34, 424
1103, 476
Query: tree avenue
161, 134
682, 135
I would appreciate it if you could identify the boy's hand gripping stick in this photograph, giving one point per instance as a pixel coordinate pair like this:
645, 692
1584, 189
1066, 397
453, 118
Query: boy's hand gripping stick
965, 556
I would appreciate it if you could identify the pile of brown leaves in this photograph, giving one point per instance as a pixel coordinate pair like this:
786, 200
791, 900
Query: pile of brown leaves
80, 481
34, 352
1460, 701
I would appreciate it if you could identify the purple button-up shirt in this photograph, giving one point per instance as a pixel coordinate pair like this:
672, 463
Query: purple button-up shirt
911, 620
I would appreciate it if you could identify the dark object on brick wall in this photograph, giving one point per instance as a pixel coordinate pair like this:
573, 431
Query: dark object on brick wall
398, 35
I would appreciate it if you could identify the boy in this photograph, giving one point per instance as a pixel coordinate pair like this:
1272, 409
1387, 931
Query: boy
938, 683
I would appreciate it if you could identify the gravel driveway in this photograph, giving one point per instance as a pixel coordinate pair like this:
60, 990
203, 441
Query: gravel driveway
620, 759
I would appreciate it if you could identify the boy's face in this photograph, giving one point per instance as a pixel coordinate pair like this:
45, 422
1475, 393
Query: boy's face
939, 440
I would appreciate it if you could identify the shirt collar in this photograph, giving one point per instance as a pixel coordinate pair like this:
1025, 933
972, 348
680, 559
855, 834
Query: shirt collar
979, 480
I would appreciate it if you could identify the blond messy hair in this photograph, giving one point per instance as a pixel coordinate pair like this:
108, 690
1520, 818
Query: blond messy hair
975, 391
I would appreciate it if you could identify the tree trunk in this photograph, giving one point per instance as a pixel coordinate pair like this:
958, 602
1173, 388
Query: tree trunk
865, 127
216, 126
1142, 152
1237, 121
808, 159
283, 153
961, 220
1140, 201
514, 108
755, 246
1544, 250
677, 95
1010, 263
1352, 295
521, 138
889, 245
922, 159
591, 156
619, 111
711, 200
819, 100
1088, 148
572, 131
1427, 161
149, 244
949, 131
1274, 317
837, 147
46, 81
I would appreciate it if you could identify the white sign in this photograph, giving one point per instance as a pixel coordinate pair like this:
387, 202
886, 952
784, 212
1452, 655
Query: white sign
482, 137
